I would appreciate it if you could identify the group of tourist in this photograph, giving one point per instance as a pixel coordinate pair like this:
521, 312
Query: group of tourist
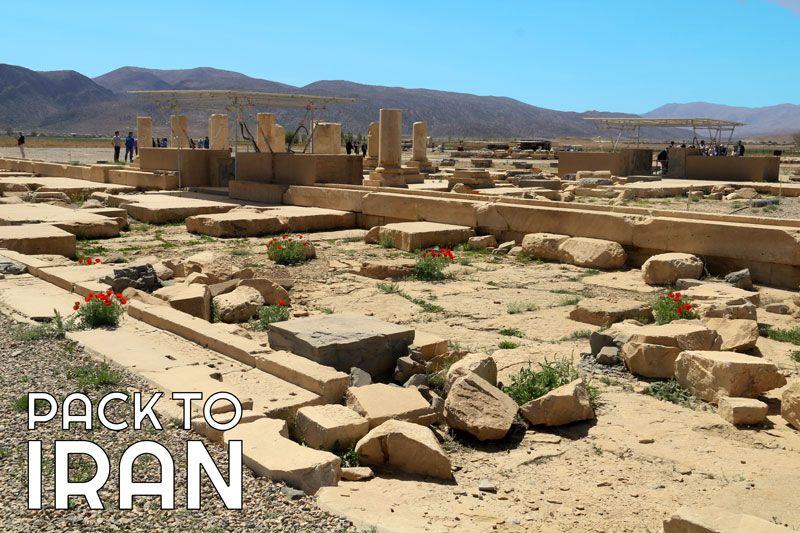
131, 146
711, 149
353, 148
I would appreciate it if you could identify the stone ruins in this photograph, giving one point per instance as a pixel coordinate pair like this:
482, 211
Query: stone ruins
478, 339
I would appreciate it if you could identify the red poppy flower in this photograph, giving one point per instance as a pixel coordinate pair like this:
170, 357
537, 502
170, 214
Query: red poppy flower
118, 295
677, 295
688, 307
123, 301
281, 303
106, 302
671, 295
76, 307
280, 247
300, 237
680, 310
89, 298
97, 260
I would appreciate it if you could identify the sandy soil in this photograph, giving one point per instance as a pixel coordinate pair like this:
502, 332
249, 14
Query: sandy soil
627, 471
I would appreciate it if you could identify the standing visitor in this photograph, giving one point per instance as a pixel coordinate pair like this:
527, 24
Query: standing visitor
21, 144
116, 141
205, 142
349, 147
364, 149
129, 144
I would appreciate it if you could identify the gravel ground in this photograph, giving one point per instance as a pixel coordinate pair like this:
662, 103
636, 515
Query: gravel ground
45, 365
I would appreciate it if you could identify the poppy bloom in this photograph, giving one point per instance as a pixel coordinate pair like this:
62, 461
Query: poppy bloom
97, 260
76, 307
89, 298
280, 247
118, 295
123, 301
671, 295
680, 310
281, 303
688, 307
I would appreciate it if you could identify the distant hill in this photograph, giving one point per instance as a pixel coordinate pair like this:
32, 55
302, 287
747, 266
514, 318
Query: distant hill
777, 119
68, 102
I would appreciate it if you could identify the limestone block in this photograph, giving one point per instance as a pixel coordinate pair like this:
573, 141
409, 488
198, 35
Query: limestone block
387, 268
543, 245
483, 241
323, 380
742, 411
269, 452
410, 236
216, 266
790, 404
406, 447
239, 305
477, 407
330, 427
481, 364
592, 253
429, 345
604, 312
344, 341
236, 223
711, 375
666, 269
710, 519
271, 292
379, 402
192, 299
738, 335
651, 350
37, 239
563, 405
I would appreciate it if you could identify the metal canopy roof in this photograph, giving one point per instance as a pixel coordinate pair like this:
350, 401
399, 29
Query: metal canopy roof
667, 122
232, 100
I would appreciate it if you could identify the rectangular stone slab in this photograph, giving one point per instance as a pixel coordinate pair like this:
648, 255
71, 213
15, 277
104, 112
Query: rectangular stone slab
165, 208
34, 298
80, 222
344, 341
37, 239
410, 236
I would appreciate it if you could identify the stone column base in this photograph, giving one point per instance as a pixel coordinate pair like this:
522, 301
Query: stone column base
392, 177
370, 163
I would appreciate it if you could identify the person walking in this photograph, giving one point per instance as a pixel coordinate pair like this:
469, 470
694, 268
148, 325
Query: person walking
129, 146
21, 144
116, 142
205, 142
349, 147
364, 149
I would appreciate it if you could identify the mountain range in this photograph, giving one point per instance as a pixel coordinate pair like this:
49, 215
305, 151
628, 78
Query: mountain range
69, 102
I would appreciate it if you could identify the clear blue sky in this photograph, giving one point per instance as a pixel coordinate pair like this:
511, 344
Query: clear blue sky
574, 55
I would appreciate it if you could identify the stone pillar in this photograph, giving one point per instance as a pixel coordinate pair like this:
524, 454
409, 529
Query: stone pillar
218, 132
371, 161
420, 143
144, 132
327, 138
266, 122
278, 138
179, 129
390, 139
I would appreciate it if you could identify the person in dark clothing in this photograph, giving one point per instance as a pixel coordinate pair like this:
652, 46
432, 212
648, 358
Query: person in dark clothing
117, 143
154, 142
205, 142
129, 146
349, 147
21, 144
364, 149
662, 159
739, 150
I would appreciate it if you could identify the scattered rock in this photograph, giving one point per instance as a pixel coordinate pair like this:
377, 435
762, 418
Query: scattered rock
476, 406
239, 305
404, 446
487, 486
666, 269
742, 411
651, 350
608, 355
407, 367
271, 292
328, 426
592, 253
192, 299
710, 519
738, 335
142, 277
481, 364
114, 257
357, 473
91, 203
543, 245
604, 312
778, 308
11, 267
790, 404
563, 405
711, 375
740, 279
359, 378
216, 265
483, 241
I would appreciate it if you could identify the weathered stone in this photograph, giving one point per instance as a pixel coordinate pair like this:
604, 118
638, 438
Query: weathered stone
197, 277
217, 266
359, 378
482, 242
651, 350
379, 402
407, 367
429, 345
666, 269
718, 300
407, 447
738, 335
330, 427
476, 406
790, 404
410, 236
269, 452
417, 380
8, 266
239, 305
592, 253
742, 411
710, 519
711, 375
387, 268
543, 245
608, 355
481, 364
740, 279
604, 312
192, 299
563, 405
777, 308
344, 341
142, 277
271, 292
357, 473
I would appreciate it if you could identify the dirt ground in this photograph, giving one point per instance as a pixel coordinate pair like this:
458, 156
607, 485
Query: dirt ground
627, 471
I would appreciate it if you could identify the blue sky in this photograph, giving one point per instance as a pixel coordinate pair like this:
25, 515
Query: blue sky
573, 55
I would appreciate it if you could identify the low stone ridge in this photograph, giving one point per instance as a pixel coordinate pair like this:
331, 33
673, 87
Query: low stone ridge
710, 519
268, 451
651, 350
666, 269
330, 427
742, 411
711, 375
479, 408
604, 312
140, 277
563, 405
344, 341
406, 447
790, 404
379, 402
410, 236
